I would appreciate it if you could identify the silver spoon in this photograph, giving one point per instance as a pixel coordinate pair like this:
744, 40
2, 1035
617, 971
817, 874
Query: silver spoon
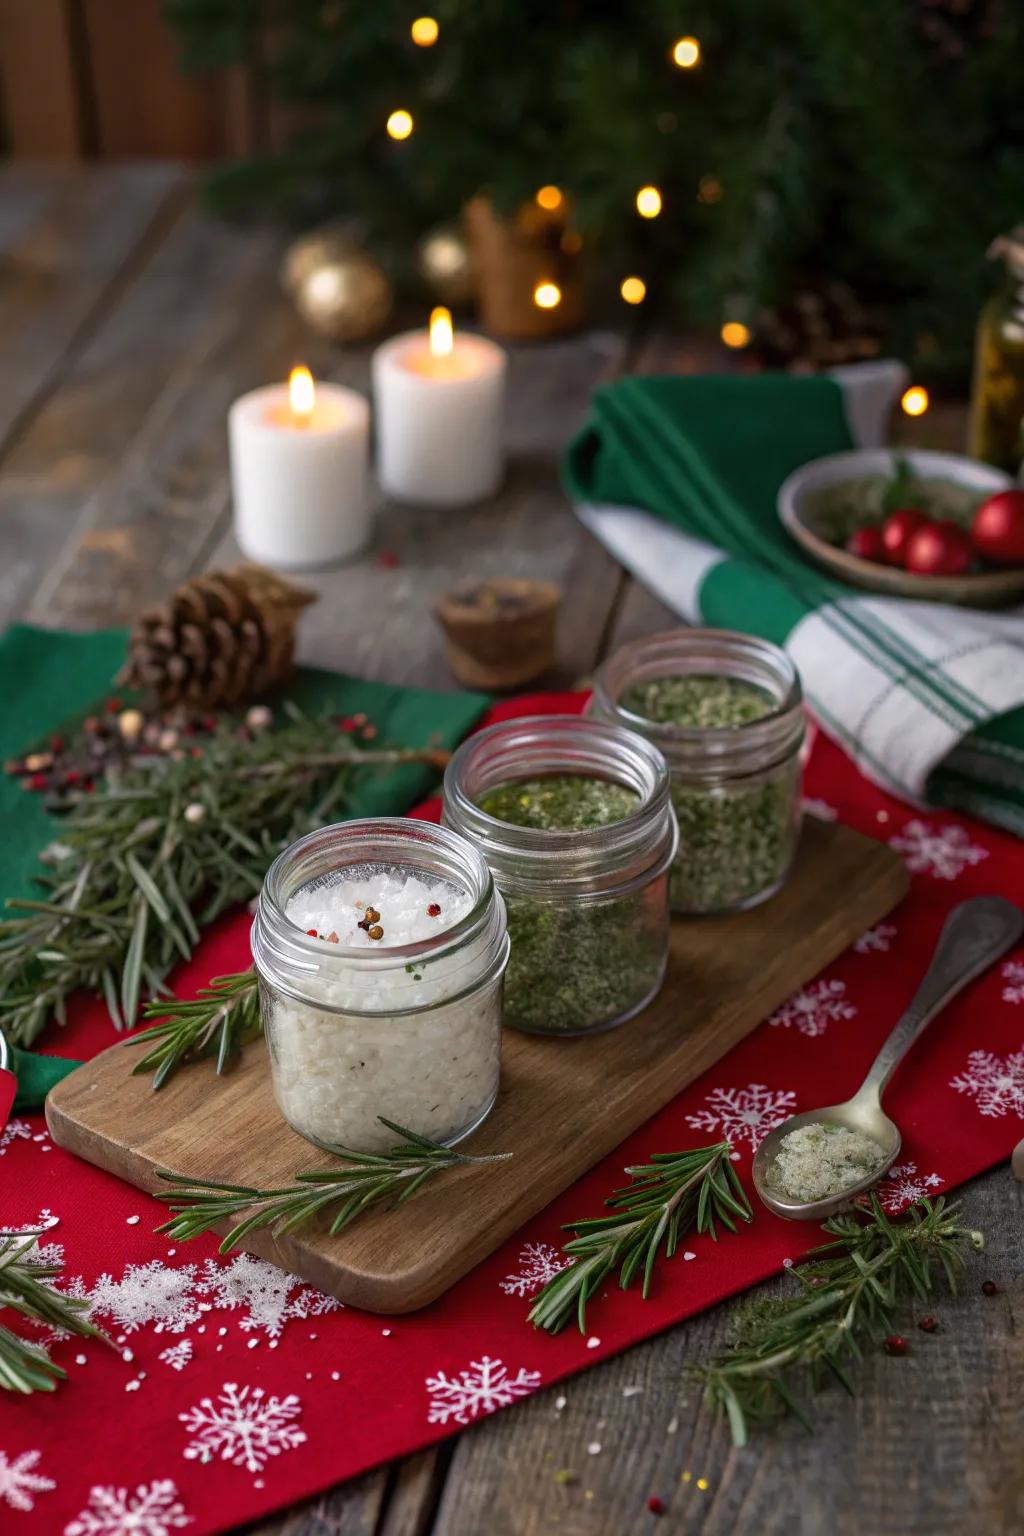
975, 934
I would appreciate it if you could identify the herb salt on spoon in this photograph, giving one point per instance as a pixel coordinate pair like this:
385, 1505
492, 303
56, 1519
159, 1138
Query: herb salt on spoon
812, 1164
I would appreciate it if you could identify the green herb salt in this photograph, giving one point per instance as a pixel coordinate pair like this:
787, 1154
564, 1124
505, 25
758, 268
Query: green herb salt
736, 837
577, 963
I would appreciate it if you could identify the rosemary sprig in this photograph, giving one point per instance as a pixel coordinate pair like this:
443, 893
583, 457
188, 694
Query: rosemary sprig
24, 1367
214, 1022
367, 1179
157, 852
847, 1302
674, 1192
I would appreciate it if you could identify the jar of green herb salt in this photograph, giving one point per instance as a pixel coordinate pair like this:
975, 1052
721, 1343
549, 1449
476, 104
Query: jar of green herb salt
573, 817
727, 711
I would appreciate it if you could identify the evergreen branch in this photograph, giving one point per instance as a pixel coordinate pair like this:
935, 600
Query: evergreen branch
24, 1367
847, 1302
162, 846
368, 1179
673, 1194
215, 1022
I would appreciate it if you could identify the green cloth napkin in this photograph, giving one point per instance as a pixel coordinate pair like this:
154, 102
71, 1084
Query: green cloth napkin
678, 476
51, 679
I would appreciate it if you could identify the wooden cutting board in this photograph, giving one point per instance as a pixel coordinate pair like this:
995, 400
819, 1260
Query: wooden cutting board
563, 1104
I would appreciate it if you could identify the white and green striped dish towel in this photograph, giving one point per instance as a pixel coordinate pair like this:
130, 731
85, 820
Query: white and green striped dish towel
678, 477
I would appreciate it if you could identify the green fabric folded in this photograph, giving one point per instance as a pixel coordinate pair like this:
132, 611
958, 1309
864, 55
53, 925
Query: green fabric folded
52, 679
926, 699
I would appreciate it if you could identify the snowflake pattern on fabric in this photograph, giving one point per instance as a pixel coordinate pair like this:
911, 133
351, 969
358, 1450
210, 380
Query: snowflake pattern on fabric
177, 1356
996, 1083
944, 852
744, 1114
483, 1388
821, 809
18, 1482
244, 1426
264, 1291
1013, 975
154, 1509
42, 1253
814, 1007
14, 1130
877, 940
538, 1263
903, 1185
146, 1293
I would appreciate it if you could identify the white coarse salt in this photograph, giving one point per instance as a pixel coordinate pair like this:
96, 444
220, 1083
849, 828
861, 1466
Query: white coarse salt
815, 1162
417, 1041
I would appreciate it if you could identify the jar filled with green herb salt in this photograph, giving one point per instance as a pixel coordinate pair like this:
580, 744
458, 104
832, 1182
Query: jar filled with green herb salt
574, 818
727, 711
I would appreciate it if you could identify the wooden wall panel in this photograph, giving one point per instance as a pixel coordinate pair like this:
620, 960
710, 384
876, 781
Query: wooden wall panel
44, 110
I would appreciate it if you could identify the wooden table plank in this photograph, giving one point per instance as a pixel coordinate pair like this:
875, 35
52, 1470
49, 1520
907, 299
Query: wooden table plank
66, 243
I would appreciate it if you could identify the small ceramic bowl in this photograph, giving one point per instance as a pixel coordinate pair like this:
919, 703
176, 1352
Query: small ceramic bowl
981, 589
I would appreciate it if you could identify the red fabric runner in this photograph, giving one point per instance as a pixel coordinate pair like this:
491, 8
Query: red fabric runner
240, 1391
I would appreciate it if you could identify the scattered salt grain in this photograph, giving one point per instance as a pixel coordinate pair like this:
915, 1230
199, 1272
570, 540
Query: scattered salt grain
132, 1386
386, 1333
673, 1425
274, 1343
593, 1342
80, 1360
222, 1331
688, 1255
132, 1221
335, 1375
631, 1391
787, 1263
126, 1354
594, 1448
254, 1343
560, 1403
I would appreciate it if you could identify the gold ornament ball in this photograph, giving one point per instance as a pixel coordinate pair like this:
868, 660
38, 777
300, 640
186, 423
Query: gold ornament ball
338, 289
445, 265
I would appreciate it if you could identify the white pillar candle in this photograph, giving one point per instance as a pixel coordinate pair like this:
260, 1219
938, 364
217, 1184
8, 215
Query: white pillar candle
438, 402
299, 456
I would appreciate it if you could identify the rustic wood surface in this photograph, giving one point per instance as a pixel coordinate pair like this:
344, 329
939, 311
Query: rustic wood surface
112, 486
724, 976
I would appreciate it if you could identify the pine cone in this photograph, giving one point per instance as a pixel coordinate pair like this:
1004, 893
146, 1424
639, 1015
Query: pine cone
221, 638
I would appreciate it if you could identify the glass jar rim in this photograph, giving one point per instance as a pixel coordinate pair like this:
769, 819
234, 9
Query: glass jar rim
638, 844
745, 747
280, 944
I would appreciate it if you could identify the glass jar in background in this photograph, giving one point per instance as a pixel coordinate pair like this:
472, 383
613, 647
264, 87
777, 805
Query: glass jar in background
727, 711
587, 903
997, 388
408, 1030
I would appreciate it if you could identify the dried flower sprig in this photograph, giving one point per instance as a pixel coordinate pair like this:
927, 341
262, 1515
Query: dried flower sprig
847, 1302
161, 848
367, 1179
24, 1367
672, 1194
213, 1023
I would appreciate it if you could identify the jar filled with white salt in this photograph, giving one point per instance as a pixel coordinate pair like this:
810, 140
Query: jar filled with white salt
381, 947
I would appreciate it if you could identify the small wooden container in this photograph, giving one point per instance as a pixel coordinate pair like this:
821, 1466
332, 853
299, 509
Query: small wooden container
511, 257
499, 633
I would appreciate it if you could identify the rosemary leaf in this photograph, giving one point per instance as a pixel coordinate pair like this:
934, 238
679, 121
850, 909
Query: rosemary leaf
368, 1179
852, 1291
674, 1193
215, 1022
25, 1367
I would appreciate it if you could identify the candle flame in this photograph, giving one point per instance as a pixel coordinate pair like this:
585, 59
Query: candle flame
301, 395
442, 338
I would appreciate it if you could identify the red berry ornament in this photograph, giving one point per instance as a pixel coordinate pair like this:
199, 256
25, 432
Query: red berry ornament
897, 530
895, 1344
868, 544
938, 549
998, 528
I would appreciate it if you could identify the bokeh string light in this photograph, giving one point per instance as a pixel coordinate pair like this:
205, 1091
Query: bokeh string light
648, 202
549, 198
686, 53
424, 31
547, 295
400, 124
735, 334
633, 290
915, 400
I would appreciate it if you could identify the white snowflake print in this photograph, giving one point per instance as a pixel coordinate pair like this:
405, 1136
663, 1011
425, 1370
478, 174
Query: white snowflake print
244, 1426
744, 1114
154, 1509
177, 1356
14, 1130
821, 809
538, 1263
996, 1083
1013, 975
46, 1254
877, 940
18, 1482
147, 1293
264, 1291
484, 1387
813, 1008
944, 852
903, 1185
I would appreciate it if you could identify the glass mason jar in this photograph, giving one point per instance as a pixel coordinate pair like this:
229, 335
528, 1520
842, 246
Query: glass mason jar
587, 909
736, 788
409, 1031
